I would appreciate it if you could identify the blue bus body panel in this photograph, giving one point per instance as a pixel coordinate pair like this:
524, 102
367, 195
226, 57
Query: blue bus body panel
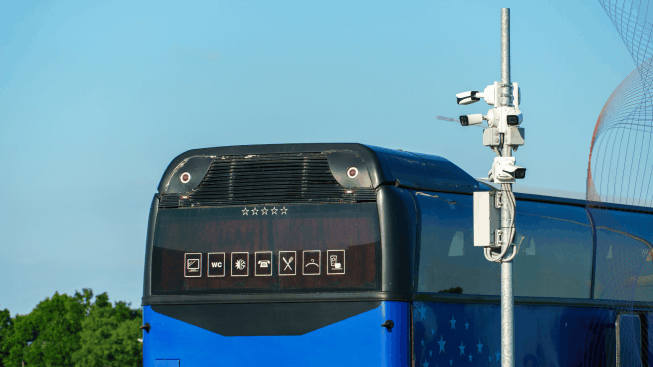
449, 334
357, 341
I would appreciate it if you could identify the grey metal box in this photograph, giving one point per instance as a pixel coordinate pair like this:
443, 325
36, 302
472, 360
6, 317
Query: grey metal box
487, 218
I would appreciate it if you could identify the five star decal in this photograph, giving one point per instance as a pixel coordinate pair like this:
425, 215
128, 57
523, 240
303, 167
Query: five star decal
274, 211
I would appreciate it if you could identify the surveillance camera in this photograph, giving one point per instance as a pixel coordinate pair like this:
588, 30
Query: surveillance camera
515, 171
514, 120
466, 120
504, 170
470, 97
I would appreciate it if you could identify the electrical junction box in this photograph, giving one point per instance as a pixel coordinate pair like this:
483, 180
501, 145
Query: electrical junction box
515, 136
487, 218
491, 137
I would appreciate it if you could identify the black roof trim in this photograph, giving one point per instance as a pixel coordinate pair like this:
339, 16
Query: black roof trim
387, 296
584, 203
386, 166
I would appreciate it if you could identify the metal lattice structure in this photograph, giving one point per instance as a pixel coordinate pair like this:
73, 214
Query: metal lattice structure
620, 170
621, 155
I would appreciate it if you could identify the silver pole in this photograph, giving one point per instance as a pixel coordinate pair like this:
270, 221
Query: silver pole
507, 300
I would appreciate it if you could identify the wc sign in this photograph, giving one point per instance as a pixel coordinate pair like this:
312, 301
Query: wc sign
216, 264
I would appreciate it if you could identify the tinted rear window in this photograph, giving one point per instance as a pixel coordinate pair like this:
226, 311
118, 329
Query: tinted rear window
266, 249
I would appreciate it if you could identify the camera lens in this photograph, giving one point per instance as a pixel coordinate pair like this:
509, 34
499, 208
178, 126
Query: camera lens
464, 121
513, 120
520, 173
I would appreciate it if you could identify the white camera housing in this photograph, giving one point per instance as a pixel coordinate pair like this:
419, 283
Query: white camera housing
475, 119
468, 97
504, 170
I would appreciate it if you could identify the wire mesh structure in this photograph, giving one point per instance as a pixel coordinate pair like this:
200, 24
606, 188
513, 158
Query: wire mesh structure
621, 159
620, 170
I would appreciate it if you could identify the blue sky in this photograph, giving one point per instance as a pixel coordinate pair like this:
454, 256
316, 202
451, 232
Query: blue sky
96, 98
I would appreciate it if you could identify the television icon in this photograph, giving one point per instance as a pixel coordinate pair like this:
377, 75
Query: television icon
192, 265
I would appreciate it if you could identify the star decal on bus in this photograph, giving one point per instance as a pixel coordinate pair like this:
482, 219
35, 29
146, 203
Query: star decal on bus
422, 312
245, 211
254, 211
284, 210
479, 346
462, 348
264, 211
441, 343
274, 210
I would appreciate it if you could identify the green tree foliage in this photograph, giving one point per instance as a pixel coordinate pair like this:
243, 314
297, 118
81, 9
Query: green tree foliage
109, 336
49, 335
6, 326
72, 331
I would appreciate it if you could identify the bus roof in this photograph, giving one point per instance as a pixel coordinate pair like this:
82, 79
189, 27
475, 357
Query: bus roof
413, 170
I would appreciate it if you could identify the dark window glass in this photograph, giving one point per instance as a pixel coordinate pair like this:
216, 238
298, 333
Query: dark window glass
624, 256
244, 249
554, 250
448, 260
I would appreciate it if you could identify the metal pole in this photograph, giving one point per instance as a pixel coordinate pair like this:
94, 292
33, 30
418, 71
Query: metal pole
507, 300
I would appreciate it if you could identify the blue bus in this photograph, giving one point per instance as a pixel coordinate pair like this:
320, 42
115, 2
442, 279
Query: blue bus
355, 255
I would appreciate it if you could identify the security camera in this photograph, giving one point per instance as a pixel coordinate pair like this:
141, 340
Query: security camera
504, 170
469, 97
515, 171
514, 120
466, 120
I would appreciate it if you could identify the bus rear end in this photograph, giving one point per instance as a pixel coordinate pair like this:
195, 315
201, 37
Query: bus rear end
275, 255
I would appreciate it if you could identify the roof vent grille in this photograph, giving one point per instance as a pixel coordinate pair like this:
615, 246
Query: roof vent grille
268, 179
